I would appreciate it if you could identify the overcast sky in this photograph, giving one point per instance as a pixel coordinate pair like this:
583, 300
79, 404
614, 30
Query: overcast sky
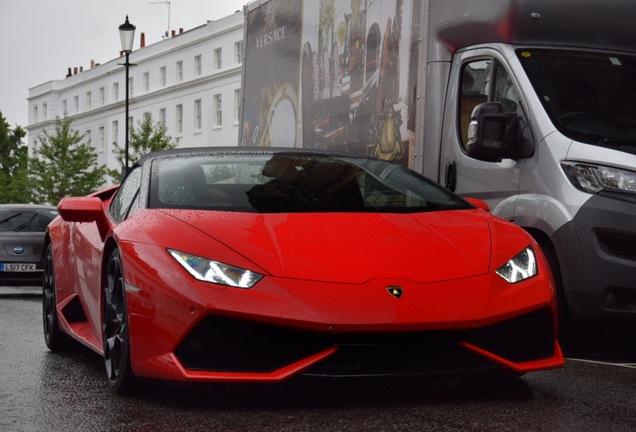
41, 39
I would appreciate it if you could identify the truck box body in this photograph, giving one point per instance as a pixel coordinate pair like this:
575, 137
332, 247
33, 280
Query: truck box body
527, 104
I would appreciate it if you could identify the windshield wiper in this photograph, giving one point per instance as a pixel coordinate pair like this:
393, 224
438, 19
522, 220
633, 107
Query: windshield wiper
10, 217
25, 224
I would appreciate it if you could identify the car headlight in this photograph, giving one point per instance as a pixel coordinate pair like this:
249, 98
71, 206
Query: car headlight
520, 268
215, 272
595, 178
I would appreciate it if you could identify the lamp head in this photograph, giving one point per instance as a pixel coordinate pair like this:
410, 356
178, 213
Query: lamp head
127, 34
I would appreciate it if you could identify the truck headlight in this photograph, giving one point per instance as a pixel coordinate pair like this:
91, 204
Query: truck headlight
215, 272
519, 268
595, 178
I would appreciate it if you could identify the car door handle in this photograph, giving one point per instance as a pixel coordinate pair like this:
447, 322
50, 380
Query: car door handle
450, 176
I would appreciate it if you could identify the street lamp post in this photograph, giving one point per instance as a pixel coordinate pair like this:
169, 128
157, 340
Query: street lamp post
127, 34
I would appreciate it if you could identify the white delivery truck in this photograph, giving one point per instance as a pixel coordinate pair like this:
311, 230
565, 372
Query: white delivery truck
529, 105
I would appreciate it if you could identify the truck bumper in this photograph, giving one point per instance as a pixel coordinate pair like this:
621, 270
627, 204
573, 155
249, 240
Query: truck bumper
597, 254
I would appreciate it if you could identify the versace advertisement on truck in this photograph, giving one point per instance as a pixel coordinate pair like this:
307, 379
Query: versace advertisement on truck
329, 74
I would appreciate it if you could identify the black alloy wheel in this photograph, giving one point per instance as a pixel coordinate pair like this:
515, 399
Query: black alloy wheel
115, 327
55, 340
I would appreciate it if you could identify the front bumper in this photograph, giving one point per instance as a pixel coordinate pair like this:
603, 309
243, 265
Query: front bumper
597, 253
182, 329
225, 345
22, 278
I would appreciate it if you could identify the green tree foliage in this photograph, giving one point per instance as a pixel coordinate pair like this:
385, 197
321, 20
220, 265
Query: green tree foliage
63, 165
219, 173
14, 186
147, 137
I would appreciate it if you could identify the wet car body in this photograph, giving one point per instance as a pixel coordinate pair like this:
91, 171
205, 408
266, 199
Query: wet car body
238, 265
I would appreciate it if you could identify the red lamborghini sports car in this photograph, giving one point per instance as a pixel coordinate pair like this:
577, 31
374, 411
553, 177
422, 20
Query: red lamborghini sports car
243, 265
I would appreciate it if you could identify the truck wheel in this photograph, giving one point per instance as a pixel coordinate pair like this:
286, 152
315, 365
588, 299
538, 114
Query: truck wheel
570, 337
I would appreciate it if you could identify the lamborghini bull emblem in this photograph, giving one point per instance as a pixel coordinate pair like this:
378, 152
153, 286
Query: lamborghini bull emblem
395, 291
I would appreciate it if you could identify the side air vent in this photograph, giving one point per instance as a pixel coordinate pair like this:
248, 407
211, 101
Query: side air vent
618, 244
73, 311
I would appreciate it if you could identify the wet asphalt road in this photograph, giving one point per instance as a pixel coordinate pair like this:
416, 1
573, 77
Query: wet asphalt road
42, 391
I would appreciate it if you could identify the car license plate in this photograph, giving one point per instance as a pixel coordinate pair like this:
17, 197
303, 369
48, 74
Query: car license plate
17, 267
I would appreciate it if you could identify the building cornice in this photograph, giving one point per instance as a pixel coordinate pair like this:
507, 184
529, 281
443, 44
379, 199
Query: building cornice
139, 56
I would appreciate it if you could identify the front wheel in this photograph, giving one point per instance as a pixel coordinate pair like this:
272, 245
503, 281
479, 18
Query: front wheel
115, 327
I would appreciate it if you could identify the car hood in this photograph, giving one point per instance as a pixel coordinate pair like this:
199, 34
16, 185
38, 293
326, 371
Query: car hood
354, 247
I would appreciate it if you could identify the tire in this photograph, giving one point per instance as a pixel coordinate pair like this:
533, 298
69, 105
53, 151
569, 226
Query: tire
55, 340
115, 330
570, 334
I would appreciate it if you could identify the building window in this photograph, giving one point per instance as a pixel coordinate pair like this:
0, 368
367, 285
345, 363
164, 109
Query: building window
115, 92
218, 111
76, 103
218, 58
146, 81
45, 111
179, 71
64, 107
162, 116
89, 100
237, 105
88, 137
238, 52
101, 137
147, 116
115, 132
163, 76
102, 95
179, 118
198, 67
131, 86
197, 115
35, 114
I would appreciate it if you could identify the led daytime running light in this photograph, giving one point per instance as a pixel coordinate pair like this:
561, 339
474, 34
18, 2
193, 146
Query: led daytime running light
520, 268
215, 272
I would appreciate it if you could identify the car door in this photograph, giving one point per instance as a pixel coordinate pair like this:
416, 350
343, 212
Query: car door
89, 247
479, 76
86, 250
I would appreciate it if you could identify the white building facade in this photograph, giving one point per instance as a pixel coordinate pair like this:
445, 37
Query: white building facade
191, 82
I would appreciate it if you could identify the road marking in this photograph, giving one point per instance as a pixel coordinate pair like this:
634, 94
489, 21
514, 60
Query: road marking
625, 365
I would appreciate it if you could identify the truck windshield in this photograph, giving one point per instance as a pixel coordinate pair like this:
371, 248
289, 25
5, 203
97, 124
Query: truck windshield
590, 96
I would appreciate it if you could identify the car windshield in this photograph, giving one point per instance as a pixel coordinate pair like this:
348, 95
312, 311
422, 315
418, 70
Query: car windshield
294, 182
590, 96
25, 219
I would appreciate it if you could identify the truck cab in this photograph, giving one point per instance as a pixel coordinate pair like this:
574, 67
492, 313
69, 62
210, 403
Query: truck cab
543, 128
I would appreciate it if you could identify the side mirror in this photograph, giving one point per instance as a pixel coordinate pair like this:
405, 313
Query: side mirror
491, 133
480, 204
80, 209
85, 209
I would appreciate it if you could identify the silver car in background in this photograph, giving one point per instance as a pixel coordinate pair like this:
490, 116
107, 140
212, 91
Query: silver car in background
22, 229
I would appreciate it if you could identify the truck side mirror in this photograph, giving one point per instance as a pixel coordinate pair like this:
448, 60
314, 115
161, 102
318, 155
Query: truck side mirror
491, 133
